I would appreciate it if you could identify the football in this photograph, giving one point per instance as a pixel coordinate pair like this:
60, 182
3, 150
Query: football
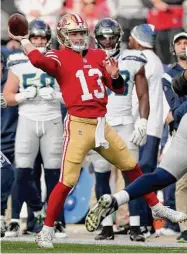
18, 24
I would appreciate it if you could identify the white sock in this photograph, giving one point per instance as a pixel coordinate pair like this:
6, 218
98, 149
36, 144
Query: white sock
15, 220
156, 207
134, 221
2, 217
37, 213
49, 229
122, 197
107, 221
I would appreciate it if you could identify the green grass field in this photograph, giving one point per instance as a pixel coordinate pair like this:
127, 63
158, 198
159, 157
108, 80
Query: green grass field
27, 247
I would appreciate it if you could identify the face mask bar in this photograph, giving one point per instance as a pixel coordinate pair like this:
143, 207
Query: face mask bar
78, 47
109, 43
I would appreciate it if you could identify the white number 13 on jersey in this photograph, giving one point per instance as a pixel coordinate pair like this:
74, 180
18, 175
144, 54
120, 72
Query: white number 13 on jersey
86, 94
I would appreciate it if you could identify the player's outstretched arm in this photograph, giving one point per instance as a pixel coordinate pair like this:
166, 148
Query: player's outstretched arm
139, 134
11, 88
142, 93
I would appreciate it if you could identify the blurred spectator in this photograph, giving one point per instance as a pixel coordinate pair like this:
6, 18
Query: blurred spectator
92, 11
71, 6
166, 16
7, 8
76, 5
128, 14
11, 47
47, 10
185, 15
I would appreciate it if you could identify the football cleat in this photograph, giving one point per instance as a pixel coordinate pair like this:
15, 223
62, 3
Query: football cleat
182, 238
106, 205
35, 226
136, 234
44, 239
13, 230
163, 212
106, 234
59, 230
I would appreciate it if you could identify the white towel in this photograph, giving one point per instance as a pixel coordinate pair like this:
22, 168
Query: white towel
100, 134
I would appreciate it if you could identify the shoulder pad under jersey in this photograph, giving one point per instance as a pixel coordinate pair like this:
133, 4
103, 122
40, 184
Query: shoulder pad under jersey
16, 58
134, 55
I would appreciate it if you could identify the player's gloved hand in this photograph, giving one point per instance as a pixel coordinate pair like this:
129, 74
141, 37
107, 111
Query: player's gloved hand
48, 93
30, 92
139, 135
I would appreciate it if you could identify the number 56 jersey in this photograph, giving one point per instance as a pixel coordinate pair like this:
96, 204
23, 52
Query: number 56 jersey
119, 106
37, 109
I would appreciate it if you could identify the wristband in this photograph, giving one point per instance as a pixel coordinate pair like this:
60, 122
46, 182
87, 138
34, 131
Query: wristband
24, 41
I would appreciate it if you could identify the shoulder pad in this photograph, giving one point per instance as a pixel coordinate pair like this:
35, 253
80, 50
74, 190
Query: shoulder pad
16, 58
133, 54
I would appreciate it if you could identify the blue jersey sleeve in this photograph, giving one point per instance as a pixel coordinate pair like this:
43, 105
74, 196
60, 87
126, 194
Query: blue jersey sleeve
171, 97
180, 111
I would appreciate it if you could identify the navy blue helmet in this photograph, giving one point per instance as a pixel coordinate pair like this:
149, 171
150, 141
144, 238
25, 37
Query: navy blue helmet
108, 33
38, 27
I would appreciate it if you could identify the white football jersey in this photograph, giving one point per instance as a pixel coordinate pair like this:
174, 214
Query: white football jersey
119, 107
37, 109
154, 72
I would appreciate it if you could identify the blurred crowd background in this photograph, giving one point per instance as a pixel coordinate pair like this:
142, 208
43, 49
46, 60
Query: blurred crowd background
168, 16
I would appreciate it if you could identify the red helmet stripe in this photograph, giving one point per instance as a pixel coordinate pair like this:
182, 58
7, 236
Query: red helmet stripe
78, 18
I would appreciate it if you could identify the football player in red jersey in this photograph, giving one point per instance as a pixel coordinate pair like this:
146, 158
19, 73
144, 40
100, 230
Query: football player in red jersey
82, 74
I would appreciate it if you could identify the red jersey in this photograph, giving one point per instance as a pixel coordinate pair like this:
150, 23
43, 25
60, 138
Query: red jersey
82, 79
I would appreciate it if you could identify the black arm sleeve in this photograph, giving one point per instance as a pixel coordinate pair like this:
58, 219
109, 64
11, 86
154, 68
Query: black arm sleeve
118, 83
179, 85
